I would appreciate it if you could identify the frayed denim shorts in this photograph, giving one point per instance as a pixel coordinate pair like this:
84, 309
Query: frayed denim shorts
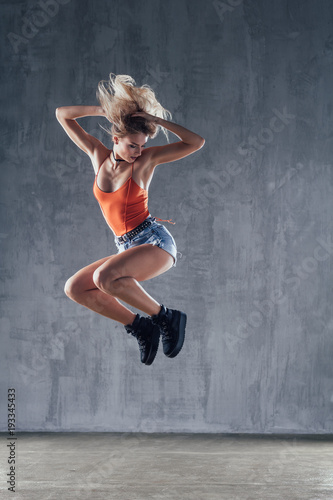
155, 234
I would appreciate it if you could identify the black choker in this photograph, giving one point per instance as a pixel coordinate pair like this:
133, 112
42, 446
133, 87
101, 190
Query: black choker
115, 158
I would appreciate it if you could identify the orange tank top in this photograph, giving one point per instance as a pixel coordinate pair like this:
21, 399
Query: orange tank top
125, 208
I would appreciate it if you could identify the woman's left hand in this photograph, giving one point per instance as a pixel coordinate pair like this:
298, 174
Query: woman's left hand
146, 116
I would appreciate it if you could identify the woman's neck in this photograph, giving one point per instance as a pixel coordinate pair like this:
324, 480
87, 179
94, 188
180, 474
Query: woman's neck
115, 157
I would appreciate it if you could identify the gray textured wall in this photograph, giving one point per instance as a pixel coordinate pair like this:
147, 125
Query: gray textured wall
253, 212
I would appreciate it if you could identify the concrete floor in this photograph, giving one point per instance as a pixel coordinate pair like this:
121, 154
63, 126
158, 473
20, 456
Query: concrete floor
168, 466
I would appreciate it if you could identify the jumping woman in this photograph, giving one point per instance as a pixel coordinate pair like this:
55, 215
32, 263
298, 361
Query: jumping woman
122, 177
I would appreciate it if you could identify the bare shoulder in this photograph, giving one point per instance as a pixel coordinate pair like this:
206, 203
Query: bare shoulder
144, 168
145, 162
99, 154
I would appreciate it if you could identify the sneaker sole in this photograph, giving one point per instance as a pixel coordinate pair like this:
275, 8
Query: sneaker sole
154, 347
180, 343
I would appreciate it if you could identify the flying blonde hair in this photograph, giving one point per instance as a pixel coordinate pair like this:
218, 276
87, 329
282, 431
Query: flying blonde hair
119, 98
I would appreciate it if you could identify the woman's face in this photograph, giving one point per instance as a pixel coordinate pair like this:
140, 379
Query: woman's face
130, 147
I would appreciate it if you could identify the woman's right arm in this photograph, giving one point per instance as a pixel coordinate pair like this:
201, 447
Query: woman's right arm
66, 116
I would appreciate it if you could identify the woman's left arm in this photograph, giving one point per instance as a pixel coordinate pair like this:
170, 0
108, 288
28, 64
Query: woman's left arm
189, 143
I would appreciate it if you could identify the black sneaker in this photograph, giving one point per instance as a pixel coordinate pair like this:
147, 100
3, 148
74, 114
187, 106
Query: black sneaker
148, 337
172, 324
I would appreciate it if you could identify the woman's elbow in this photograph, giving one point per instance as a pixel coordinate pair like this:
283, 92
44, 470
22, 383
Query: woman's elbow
58, 112
201, 142
61, 114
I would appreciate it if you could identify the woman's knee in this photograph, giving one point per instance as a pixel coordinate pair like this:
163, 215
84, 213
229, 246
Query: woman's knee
107, 279
73, 288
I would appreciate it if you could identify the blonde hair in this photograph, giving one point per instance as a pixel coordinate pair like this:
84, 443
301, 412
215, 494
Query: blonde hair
119, 98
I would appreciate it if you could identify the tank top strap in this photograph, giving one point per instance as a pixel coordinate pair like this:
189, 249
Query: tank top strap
100, 166
98, 170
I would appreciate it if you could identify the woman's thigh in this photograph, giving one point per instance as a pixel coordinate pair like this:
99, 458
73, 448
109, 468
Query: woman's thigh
142, 263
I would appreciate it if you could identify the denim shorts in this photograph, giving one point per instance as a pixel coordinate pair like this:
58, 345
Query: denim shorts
155, 234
